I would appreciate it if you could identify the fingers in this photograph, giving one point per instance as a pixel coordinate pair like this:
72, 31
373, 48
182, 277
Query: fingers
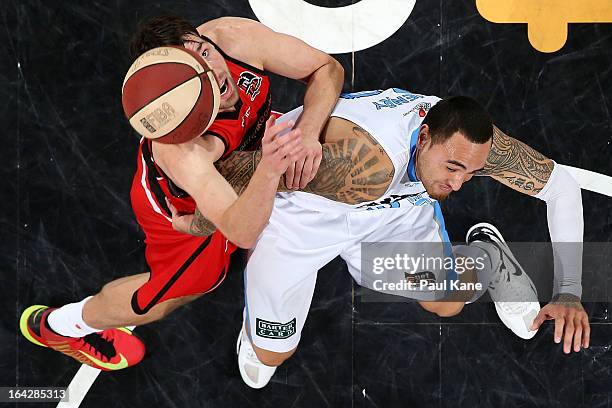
289, 150
559, 323
307, 172
294, 182
315, 167
171, 207
586, 338
289, 176
577, 333
274, 129
568, 335
539, 319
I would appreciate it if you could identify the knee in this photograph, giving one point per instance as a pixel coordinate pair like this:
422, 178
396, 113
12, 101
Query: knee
450, 310
271, 358
443, 309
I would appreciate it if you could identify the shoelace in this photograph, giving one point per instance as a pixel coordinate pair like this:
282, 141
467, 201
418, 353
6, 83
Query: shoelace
99, 344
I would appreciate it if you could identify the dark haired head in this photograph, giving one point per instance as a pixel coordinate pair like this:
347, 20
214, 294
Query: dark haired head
459, 114
159, 31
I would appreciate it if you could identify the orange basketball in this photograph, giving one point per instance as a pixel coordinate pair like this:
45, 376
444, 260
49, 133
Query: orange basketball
170, 95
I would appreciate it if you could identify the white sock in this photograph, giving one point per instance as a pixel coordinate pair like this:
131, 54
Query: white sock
68, 320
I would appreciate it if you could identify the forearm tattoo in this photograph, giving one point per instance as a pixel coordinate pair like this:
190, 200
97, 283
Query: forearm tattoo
200, 226
353, 170
517, 165
568, 300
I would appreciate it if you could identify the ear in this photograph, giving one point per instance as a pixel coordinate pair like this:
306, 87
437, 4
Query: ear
424, 136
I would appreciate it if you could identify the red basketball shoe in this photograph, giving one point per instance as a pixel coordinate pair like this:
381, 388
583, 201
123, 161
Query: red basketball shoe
108, 350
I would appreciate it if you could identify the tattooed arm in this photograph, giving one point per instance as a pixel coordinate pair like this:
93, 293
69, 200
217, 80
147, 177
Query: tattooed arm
523, 169
354, 169
516, 165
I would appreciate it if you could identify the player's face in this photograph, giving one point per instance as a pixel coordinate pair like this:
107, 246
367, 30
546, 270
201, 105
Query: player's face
228, 88
444, 167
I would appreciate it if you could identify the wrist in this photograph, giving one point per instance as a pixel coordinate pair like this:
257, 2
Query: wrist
267, 173
565, 297
310, 131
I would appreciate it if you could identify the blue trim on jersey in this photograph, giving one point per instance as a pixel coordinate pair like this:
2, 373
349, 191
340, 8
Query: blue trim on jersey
448, 248
411, 163
246, 309
362, 94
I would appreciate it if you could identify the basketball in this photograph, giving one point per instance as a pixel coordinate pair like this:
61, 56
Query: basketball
170, 95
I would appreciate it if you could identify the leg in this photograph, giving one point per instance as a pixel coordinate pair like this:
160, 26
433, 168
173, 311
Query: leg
279, 283
405, 233
443, 309
110, 307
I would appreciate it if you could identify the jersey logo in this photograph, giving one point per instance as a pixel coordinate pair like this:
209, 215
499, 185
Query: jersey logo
274, 330
421, 108
123, 363
394, 201
250, 84
400, 100
246, 116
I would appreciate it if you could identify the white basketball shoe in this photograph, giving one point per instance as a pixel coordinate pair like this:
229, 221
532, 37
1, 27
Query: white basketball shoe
514, 294
254, 373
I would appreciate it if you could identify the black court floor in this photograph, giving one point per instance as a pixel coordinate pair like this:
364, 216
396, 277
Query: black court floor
67, 227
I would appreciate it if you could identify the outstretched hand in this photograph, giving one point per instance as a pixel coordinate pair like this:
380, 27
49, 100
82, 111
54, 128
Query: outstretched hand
571, 322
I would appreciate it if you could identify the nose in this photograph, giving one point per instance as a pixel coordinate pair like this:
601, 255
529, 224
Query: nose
456, 182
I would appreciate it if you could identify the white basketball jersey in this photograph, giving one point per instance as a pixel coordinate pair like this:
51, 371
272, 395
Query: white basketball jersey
392, 117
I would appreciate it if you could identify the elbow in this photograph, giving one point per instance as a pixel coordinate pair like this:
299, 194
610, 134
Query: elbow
246, 243
338, 71
243, 241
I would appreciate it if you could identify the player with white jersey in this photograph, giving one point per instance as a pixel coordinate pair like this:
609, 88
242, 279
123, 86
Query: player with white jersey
389, 157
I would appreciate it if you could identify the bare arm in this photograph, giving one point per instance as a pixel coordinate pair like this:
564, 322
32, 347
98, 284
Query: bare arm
282, 54
191, 167
285, 55
354, 169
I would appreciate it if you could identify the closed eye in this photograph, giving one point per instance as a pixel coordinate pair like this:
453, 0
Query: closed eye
451, 170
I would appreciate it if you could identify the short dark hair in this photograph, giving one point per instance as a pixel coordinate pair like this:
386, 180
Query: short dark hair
159, 31
459, 114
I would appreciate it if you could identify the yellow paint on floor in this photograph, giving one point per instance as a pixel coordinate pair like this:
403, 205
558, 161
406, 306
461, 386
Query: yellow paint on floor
546, 20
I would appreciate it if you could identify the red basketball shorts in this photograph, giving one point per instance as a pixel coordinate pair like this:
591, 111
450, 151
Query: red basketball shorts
180, 264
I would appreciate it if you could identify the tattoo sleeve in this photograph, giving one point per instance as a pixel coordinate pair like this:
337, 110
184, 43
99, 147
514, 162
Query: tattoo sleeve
200, 226
516, 165
353, 169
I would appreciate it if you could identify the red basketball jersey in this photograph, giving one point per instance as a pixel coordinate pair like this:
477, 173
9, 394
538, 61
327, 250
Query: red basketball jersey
241, 129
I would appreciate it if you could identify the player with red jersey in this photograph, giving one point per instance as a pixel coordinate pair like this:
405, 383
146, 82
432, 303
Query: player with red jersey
183, 177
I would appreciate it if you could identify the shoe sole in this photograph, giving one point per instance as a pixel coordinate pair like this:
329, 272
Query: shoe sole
501, 314
23, 323
486, 225
509, 254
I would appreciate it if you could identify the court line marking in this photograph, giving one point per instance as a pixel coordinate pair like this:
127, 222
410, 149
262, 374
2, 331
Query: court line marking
335, 30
